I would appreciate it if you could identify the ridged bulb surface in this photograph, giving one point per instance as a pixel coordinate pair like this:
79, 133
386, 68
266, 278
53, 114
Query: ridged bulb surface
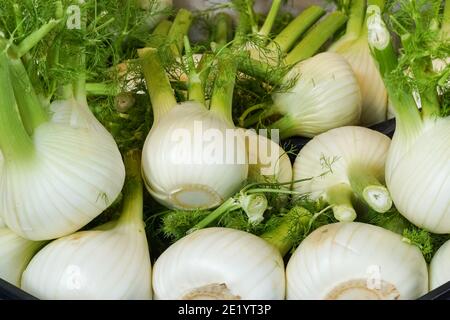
98, 264
373, 91
326, 95
334, 153
73, 175
353, 260
418, 175
219, 263
188, 161
440, 267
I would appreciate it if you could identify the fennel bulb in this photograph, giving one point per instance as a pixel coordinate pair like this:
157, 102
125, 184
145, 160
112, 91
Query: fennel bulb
15, 253
417, 165
440, 266
343, 163
109, 262
355, 261
222, 264
353, 46
193, 158
70, 172
326, 95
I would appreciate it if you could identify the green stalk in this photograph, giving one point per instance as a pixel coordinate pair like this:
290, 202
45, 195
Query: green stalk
316, 37
356, 19
15, 143
262, 71
222, 29
102, 89
222, 96
445, 26
204, 68
280, 236
270, 19
368, 188
179, 29
340, 198
163, 28
158, 85
195, 87
29, 42
31, 111
230, 205
132, 209
295, 29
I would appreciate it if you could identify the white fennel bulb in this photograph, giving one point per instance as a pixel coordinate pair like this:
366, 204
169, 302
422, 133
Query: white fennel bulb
326, 95
15, 253
193, 157
219, 263
354, 47
417, 166
56, 177
350, 260
440, 267
110, 262
268, 162
343, 163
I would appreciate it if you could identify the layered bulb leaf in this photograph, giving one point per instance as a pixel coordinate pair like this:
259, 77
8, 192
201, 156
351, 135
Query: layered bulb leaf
422, 197
15, 253
440, 267
356, 261
220, 264
326, 95
109, 262
373, 92
343, 164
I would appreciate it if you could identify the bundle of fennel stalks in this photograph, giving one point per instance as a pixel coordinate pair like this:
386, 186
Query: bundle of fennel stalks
119, 179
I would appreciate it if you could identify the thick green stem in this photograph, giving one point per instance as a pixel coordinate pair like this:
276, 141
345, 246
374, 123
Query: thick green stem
102, 89
316, 37
158, 85
132, 209
270, 19
204, 68
445, 26
430, 103
356, 19
222, 96
280, 237
261, 71
230, 205
15, 143
368, 188
340, 198
195, 87
31, 111
179, 29
163, 28
30, 41
294, 30
222, 29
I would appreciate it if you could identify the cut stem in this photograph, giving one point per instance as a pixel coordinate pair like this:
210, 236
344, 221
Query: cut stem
195, 87
15, 143
295, 29
31, 111
340, 198
179, 29
270, 19
158, 85
297, 218
368, 188
316, 37
132, 209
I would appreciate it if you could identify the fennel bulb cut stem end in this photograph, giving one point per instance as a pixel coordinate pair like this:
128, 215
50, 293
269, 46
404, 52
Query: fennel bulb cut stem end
340, 198
158, 84
316, 38
132, 210
178, 30
214, 291
296, 28
15, 143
